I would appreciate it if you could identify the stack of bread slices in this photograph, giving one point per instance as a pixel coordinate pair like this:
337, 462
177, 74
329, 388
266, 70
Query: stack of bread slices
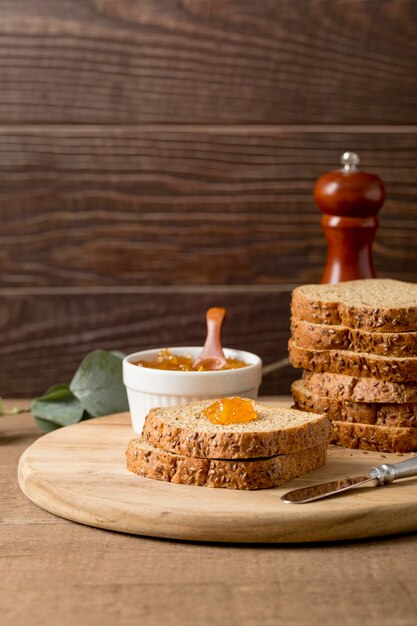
181, 445
357, 342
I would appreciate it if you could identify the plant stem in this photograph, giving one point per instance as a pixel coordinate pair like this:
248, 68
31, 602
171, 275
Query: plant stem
14, 411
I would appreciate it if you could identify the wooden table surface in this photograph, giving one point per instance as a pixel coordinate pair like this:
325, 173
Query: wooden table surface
57, 572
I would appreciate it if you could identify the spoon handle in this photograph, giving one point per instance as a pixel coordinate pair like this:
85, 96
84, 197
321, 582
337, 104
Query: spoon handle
213, 346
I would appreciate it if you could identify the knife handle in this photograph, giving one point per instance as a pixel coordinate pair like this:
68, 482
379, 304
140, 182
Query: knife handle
387, 473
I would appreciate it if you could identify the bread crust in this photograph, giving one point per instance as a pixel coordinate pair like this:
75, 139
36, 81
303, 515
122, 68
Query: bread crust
343, 386
393, 415
233, 445
323, 337
367, 318
377, 438
250, 474
393, 369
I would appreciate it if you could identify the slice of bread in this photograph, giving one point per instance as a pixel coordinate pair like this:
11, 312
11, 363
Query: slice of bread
342, 386
185, 430
325, 337
378, 438
396, 415
395, 369
379, 304
151, 462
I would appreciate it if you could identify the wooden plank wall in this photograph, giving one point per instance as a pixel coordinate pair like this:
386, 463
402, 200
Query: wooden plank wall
158, 156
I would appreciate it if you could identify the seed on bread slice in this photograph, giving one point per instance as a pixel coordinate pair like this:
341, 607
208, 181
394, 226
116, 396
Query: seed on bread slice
326, 337
385, 414
377, 304
151, 462
343, 386
377, 438
394, 369
184, 429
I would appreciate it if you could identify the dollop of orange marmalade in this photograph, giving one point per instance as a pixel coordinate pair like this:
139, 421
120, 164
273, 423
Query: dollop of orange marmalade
230, 411
165, 360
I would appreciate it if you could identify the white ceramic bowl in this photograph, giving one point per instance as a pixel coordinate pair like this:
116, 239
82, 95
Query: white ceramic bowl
148, 388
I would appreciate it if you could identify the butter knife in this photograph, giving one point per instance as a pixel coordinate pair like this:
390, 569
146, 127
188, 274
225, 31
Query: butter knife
382, 475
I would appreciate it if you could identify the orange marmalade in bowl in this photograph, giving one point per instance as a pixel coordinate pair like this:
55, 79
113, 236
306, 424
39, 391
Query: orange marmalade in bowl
165, 360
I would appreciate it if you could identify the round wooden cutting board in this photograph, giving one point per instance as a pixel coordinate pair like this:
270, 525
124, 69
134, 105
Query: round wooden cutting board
79, 473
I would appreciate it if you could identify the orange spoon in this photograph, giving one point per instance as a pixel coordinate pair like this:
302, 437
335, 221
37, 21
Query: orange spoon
212, 356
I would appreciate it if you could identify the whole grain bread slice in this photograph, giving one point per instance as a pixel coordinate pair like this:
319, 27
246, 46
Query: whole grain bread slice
386, 414
342, 386
378, 438
151, 462
185, 430
377, 304
396, 369
326, 337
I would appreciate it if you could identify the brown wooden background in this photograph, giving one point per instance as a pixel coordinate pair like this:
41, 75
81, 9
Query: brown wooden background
158, 157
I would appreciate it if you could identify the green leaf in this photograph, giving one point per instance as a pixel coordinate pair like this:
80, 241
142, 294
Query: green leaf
57, 407
96, 389
56, 388
45, 425
98, 384
120, 355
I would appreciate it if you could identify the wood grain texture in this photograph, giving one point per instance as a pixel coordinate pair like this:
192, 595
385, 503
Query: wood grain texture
80, 473
221, 61
133, 207
194, 61
100, 578
44, 337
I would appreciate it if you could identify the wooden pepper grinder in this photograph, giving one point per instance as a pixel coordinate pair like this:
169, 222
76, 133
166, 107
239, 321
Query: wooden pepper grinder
350, 200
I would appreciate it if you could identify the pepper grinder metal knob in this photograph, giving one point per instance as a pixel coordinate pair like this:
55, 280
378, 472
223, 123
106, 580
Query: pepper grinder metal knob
350, 200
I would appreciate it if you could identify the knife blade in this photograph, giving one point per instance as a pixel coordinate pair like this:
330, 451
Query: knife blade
324, 490
382, 475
